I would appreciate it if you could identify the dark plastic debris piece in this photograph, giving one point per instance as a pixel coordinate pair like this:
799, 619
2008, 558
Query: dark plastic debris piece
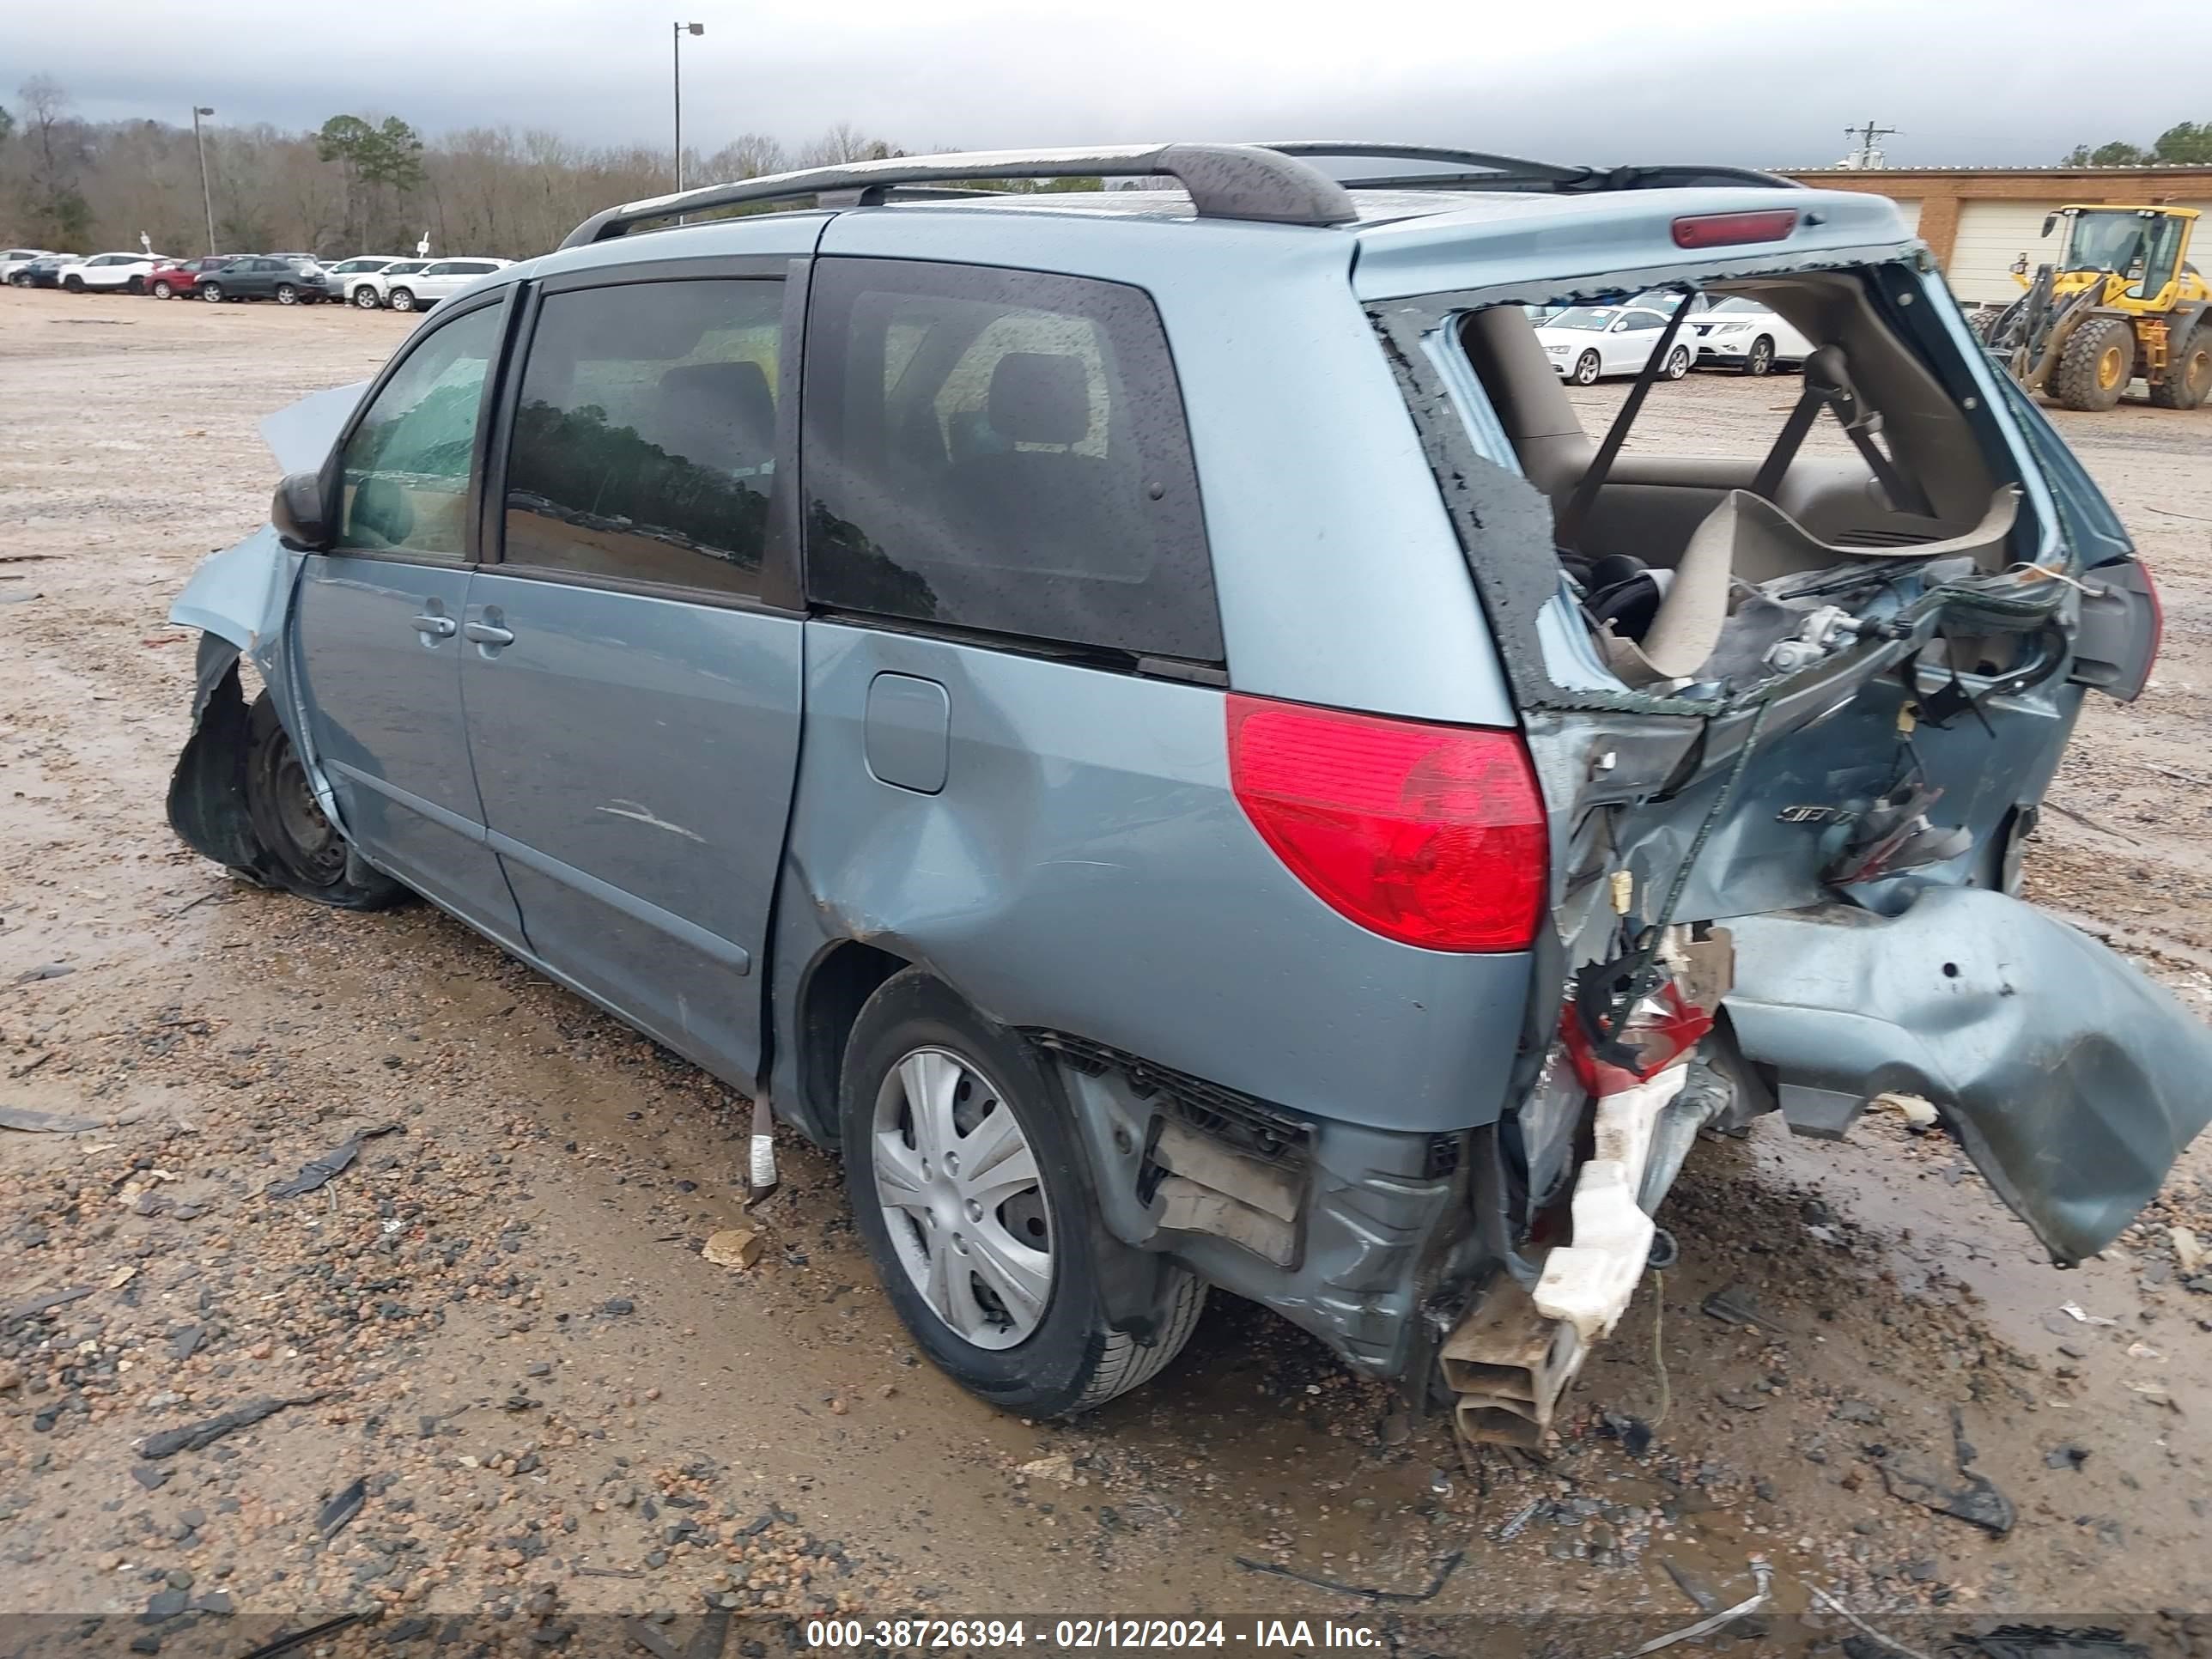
47, 1301
1975, 1498
339, 1512
194, 1436
318, 1172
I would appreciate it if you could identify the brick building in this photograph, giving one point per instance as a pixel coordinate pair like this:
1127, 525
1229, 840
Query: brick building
1979, 220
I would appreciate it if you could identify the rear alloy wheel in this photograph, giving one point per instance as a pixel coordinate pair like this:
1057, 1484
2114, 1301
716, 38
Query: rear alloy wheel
309, 853
402, 299
1760, 360
163, 291
971, 1190
1678, 364
364, 297
287, 295
1586, 369
2188, 382
2096, 365
211, 292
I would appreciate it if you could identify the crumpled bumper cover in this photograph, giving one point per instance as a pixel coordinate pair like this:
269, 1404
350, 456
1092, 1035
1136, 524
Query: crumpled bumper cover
2072, 1081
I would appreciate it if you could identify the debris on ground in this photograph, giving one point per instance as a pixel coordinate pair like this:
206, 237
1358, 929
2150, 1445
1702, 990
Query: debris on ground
320, 1171
1762, 1574
2188, 1253
1919, 1114
2067, 1456
1732, 1305
733, 1246
338, 1513
1058, 1467
194, 1436
1974, 1498
1444, 1569
2075, 1311
23, 1120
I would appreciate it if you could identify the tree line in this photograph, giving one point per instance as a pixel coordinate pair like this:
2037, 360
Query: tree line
2185, 143
356, 185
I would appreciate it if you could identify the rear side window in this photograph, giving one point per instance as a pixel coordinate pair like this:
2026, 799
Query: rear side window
645, 443
1002, 450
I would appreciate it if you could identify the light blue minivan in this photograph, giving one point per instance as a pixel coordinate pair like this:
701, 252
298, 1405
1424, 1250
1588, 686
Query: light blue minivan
1141, 716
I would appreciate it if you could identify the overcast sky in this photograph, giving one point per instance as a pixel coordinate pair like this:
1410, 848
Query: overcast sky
1724, 80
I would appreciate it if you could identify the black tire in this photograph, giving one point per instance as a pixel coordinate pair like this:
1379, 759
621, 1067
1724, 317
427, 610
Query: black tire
1074, 1359
309, 855
1760, 360
364, 297
400, 299
210, 292
1587, 369
163, 291
2188, 382
73, 284
1678, 365
2095, 366
287, 295
135, 285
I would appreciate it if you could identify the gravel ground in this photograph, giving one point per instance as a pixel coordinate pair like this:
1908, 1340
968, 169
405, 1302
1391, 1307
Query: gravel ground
502, 1382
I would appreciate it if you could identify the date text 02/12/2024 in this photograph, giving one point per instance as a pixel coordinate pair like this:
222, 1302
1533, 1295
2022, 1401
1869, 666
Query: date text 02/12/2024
1087, 1634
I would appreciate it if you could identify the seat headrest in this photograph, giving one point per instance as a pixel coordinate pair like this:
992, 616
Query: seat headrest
1040, 398
728, 398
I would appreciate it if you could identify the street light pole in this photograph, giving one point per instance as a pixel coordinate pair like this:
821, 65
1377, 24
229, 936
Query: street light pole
680, 30
207, 196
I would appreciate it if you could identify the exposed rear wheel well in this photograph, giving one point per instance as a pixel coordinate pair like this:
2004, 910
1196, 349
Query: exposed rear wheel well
837, 989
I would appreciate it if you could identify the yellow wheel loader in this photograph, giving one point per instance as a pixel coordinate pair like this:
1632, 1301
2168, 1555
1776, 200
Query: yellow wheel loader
2121, 302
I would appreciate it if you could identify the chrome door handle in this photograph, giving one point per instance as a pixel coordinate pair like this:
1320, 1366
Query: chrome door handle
440, 628
485, 633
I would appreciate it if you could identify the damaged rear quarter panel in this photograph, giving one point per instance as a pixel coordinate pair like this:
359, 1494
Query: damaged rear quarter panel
1086, 869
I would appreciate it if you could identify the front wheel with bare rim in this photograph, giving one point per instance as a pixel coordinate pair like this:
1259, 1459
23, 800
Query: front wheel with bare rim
2095, 366
210, 292
309, 855
971, 1190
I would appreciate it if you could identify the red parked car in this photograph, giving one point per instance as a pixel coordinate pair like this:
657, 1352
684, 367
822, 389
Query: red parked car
179, 277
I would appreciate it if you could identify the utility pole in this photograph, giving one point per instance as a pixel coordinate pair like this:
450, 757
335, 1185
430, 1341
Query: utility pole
680, 30
207, 196
1865, 154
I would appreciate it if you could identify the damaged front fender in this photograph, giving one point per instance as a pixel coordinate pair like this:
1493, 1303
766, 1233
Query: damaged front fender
2072, 1081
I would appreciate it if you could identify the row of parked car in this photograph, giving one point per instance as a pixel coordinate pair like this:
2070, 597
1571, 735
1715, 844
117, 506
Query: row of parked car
371, 283
1586, 344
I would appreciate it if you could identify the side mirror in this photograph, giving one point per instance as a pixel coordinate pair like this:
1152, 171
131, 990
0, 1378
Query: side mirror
301, 521
2049, 223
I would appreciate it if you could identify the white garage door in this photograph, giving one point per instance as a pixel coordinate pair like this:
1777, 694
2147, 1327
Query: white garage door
1991, 235
1909, 208
2200, 239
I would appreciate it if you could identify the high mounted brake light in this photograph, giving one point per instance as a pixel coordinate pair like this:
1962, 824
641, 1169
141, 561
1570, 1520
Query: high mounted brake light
1724, 229
1431, 835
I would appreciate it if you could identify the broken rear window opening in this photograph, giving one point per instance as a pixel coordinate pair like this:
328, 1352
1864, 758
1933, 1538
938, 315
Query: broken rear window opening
1889, 515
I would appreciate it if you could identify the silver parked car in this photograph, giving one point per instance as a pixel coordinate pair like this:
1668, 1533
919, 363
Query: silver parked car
1143, 720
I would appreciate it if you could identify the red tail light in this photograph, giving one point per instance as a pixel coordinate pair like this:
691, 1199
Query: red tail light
1721, 230
1431, 835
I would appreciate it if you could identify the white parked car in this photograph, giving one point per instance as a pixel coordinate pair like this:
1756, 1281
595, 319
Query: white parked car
349, 280
12, 259
1586, 343
111, 271
433, 280
1742, 334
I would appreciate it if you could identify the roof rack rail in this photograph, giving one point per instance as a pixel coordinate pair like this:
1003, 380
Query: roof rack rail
1481, 170
1225, 181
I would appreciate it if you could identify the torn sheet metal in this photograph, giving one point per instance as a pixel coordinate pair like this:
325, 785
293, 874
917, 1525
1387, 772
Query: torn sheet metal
2072, 1082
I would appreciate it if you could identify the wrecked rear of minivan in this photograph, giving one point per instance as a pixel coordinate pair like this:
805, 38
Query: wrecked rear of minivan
1794, 677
